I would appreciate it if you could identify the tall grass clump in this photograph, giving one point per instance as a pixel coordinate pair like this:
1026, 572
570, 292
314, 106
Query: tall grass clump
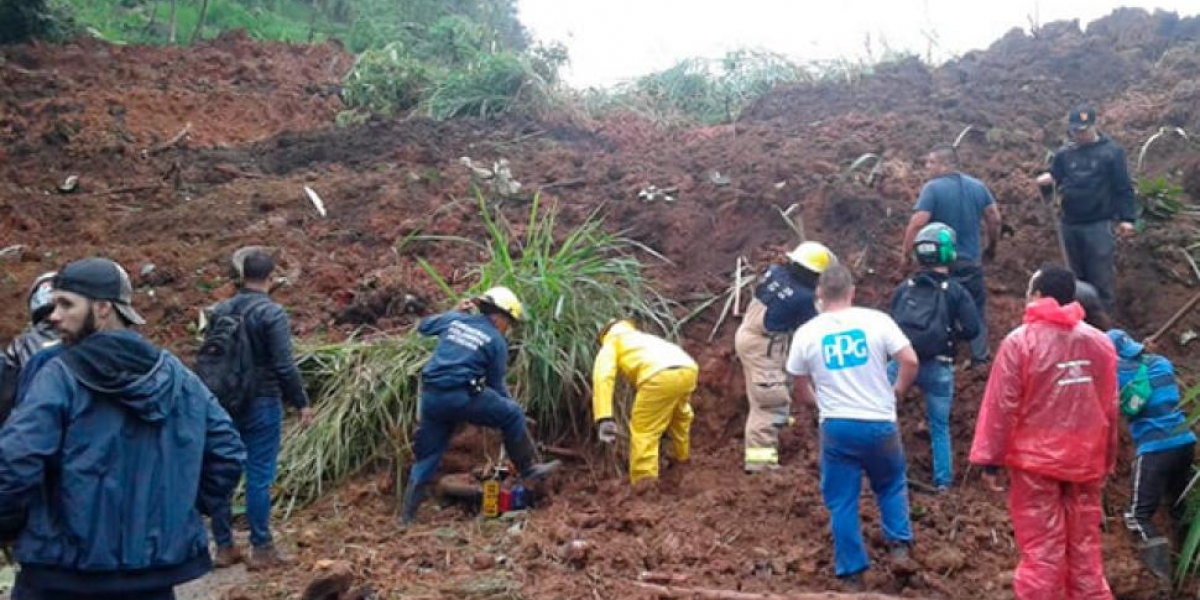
365, 405
571, 285
571, 282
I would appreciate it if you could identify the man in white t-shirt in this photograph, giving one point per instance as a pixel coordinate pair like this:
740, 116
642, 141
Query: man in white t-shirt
843, 353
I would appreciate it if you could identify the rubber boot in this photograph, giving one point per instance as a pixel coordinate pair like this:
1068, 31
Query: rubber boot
523, 455
1156, 555
413, 497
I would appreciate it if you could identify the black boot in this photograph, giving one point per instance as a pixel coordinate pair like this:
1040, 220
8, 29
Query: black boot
523, 454
1156, 555
413, 497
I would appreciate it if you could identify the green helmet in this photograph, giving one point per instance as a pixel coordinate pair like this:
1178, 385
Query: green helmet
934, 245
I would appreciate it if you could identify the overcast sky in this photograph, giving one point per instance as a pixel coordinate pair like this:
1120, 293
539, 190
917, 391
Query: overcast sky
614, 40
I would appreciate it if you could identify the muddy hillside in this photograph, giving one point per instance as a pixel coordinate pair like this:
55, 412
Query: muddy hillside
184, 154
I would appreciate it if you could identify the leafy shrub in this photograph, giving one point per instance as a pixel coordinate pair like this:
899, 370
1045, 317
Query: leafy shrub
709, 91
385, 81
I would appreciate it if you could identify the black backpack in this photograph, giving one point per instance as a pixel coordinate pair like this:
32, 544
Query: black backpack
225, 361
922, 311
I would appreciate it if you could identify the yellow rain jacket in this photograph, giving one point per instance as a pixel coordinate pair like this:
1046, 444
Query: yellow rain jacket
665, 377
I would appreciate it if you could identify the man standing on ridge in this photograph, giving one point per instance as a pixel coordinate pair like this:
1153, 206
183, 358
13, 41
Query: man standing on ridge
782, 302
960, 201
1092, 177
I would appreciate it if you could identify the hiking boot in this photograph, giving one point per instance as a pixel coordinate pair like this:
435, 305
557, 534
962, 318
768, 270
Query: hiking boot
1156, 556
227, 556
540, 470
267, 557
901, 558
853, 583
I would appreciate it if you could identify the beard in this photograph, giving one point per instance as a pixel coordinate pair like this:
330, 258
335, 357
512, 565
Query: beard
87, 328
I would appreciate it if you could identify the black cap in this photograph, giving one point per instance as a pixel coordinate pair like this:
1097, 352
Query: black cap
100, 279
1081, 117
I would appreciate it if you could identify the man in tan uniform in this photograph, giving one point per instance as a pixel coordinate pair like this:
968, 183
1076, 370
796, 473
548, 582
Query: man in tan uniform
782, 302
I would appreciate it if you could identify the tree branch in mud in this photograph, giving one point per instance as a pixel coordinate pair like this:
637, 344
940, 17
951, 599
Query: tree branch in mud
171, 143
710, 594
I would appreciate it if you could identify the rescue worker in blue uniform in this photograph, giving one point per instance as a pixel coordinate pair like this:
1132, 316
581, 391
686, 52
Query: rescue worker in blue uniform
782, 302
464, 382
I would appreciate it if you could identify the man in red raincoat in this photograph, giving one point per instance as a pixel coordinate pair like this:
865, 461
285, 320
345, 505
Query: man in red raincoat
1049, 416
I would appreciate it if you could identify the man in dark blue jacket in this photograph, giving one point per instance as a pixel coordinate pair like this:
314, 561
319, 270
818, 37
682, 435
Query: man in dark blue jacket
1096, 190
112, 455
1166, 447
261, 423
782, 302
464, 382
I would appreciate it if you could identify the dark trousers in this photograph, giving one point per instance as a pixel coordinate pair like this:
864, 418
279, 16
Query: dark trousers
970, 276
1158, 478
1091, 250
23, 591
261, 428
442, 410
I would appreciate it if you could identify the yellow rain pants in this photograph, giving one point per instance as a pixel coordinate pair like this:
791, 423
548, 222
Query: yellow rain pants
665, 377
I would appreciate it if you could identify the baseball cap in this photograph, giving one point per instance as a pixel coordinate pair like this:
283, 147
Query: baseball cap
1124, 344
1081, 117
100, 279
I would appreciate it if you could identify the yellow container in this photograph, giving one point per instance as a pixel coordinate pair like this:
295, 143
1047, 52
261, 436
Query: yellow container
491, 498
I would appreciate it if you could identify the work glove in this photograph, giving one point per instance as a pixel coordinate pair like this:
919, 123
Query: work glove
606, 431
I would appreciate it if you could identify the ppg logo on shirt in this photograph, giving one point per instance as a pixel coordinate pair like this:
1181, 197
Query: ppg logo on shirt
844, 350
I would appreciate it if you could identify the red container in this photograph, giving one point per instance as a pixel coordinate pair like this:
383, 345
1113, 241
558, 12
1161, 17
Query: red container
505, 500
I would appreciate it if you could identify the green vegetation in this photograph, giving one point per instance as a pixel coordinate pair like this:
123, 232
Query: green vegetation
452, 73
702, 90
1159, 199
571, 284
360, 24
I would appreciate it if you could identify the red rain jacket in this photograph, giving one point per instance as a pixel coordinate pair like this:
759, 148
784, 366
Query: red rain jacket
1051, 401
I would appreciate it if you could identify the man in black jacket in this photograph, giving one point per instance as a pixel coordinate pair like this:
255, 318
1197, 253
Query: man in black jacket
1096, 190
261, 422
38, 336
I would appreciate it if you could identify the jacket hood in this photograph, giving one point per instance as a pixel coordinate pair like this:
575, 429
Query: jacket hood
619, 328
123, 367
1048, 310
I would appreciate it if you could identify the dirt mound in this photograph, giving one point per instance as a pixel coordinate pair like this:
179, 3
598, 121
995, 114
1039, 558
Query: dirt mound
261, 132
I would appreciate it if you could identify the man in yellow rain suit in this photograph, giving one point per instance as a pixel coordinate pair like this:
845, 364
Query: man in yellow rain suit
783, 301
665, 377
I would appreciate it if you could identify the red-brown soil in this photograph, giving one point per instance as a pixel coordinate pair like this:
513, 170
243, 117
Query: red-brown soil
261, 129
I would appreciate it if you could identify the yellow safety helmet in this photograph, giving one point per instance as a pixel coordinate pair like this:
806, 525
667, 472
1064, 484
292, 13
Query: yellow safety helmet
812, 256
505, 300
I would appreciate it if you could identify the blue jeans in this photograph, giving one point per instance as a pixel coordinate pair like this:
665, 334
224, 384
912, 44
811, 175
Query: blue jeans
442, 410
848, 448
260, 426
936, 380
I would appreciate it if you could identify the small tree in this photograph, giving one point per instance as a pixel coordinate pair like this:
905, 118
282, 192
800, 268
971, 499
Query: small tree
23, 20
